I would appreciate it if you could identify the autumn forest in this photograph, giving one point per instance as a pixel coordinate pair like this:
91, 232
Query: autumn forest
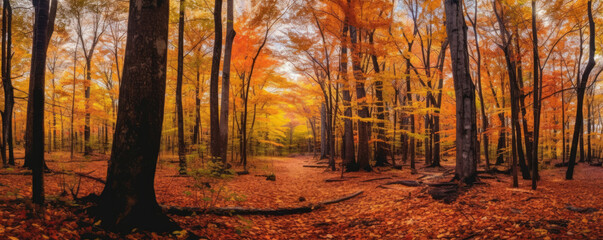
301, 119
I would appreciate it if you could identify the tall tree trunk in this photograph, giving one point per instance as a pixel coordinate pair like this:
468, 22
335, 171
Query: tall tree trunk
179, 110
36, 112
438, 104
466, 126
411, 121
128, 199
9, 101
29, 134
87, 147
536, 92
230, 35
580, 96
363, 112
213, 84
348, 132
381, 146
72, 129
480, 91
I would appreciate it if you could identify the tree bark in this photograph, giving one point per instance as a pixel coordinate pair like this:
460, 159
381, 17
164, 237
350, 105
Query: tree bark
381, 146
348, 132
37, 76
363, 112
466, 126
179, 110
569, 174
536, 92
29, 134
9, 99
230, 35
213, 84
128, 199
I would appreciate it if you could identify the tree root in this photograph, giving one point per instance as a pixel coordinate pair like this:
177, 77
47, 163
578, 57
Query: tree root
229, 211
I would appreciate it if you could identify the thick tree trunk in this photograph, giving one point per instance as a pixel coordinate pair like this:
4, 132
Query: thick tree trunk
230, 35
128, 199
214, 113
180, 71
580, 96
29, 134
466, 126
363, 112
38, 67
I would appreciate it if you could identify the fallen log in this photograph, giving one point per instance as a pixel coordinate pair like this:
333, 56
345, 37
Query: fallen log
408, 183
581, 210
335, 180
229, 211
376, 179
316, 166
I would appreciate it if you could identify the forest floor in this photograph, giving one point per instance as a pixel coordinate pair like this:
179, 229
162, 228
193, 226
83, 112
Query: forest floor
492, 210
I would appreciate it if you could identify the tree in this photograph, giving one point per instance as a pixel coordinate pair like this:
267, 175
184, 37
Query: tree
214, 114
128, 199
97, 13
537, 93
37, 76
581, 89
181, 145
230, 35
29, 133
363, 112
466, 126
9, 101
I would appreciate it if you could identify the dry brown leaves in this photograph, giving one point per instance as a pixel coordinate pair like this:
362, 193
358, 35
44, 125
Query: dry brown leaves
488, 211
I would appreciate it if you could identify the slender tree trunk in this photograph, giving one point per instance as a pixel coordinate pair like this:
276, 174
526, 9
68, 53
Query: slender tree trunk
87, 147
213, 84
196, 128
9, 101
411, 145
580, 96
128, 199
381, 146
324, 142
348, 131
179, 110
466, 126
536, 92
72, 130
230, 35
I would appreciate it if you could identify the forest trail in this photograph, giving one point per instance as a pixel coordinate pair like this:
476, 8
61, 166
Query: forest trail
486, 211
